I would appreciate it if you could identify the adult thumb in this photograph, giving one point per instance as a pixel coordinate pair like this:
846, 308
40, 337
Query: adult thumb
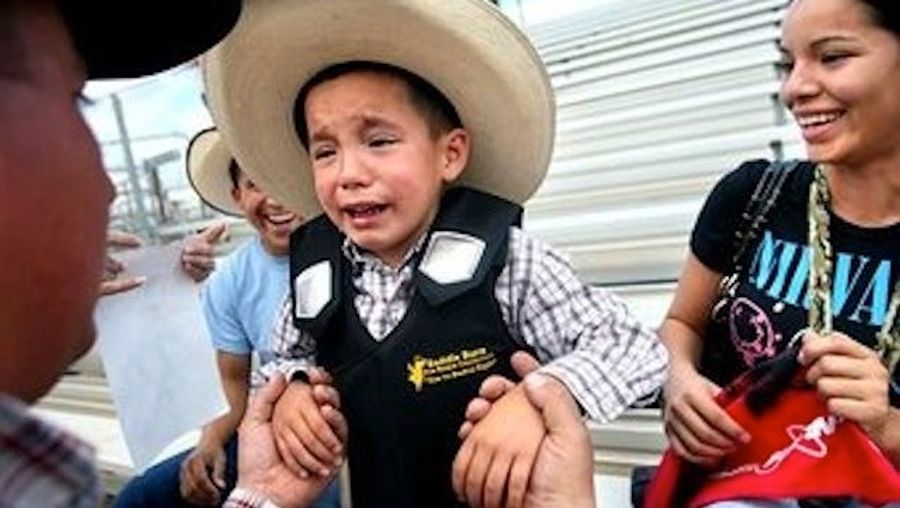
523, 363
213, 233
263, 402
218, 473
559, 411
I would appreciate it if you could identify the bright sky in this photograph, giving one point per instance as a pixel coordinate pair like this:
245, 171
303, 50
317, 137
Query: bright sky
161, 113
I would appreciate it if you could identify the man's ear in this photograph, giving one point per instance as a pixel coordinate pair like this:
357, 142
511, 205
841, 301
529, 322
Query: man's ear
456, 145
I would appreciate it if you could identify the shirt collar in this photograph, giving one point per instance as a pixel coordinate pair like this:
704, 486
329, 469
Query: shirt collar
362, 258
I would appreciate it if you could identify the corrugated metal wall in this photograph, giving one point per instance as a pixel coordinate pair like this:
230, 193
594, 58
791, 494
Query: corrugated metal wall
656, 98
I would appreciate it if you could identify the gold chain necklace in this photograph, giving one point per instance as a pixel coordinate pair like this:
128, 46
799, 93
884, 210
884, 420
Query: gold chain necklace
820, 311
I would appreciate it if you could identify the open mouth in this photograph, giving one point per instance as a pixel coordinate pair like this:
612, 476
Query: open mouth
363, 211
280, 219
818, 119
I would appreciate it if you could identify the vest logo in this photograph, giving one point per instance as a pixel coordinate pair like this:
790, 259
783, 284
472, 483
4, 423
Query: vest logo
423, 371
416, 372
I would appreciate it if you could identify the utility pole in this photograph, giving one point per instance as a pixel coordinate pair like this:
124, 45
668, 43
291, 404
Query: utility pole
151, 169
133, 178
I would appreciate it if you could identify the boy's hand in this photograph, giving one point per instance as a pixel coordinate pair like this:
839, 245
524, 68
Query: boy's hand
305, 440
493, 388
495, 461
202, 475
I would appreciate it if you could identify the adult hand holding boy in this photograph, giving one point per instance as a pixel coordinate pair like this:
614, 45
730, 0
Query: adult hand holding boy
496, 459
263, 472
307, 443
562, 476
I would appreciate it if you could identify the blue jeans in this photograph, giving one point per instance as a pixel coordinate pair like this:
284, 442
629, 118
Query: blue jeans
158, 487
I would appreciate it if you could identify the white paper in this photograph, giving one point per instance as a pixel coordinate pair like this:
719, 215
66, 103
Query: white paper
157, 355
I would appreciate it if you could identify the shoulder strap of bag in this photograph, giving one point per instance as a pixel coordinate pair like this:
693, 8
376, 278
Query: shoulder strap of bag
764, 197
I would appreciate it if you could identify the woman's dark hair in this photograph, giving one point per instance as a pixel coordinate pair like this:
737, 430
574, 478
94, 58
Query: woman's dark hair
439, 113
885, 13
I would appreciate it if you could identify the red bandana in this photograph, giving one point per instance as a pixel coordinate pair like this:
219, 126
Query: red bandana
798, 450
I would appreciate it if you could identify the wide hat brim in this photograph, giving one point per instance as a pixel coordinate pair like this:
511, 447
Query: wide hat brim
207, 170
467, 49
123, 39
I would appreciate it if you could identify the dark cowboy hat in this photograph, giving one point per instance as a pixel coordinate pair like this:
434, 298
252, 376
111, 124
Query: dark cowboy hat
127, 39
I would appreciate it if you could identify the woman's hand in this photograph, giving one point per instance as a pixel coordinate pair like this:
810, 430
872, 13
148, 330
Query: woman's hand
698, 428
850, 377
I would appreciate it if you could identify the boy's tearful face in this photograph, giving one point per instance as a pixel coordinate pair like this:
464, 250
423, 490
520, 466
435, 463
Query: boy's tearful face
377, 167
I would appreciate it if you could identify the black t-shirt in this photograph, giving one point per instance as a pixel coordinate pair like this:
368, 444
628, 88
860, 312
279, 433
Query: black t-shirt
771, 303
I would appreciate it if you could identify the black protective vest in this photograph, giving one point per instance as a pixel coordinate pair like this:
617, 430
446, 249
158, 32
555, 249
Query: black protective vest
405, 397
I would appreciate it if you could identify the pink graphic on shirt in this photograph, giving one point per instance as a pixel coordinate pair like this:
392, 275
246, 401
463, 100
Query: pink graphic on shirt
751, 331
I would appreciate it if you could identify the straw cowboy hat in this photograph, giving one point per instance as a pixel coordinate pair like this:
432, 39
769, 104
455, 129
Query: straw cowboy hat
467, 49
207, 170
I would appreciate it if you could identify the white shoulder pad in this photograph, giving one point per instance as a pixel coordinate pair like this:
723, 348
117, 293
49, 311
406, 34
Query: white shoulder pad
312, 290
451, 257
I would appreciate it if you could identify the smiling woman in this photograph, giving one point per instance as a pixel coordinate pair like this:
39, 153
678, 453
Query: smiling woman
838, 62
833, 221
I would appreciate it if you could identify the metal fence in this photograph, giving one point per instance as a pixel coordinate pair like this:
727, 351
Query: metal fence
143, 129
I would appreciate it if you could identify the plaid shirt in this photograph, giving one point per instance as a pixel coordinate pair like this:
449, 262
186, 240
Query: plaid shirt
584, 335
41, 465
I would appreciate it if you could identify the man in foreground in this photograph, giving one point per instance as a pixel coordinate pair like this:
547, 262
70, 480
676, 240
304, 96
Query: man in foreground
53, 220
